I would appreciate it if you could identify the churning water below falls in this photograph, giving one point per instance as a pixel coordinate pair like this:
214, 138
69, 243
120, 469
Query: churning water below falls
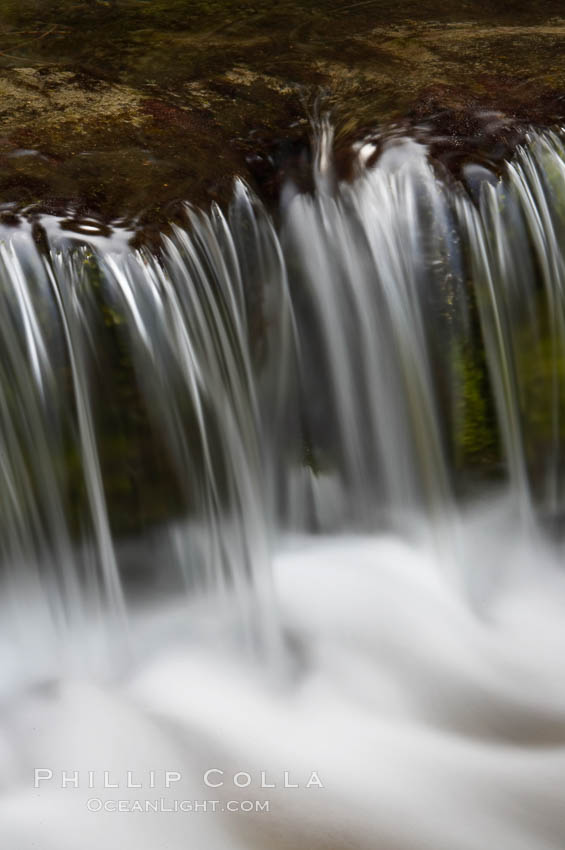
347, 629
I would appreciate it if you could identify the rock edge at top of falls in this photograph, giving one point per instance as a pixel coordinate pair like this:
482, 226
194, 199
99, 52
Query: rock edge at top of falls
119, 109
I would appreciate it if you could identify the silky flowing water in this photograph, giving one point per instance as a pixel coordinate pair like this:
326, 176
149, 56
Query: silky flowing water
357, 408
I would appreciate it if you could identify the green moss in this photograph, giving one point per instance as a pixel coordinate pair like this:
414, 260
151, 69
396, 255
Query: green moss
475, 433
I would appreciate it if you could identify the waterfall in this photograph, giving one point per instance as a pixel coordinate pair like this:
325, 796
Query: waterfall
304, 377
227, 417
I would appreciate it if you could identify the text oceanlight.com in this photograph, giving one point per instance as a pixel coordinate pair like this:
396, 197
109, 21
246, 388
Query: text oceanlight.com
162, 805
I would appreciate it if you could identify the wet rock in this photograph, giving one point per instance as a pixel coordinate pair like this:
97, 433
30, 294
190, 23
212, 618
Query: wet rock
122, 109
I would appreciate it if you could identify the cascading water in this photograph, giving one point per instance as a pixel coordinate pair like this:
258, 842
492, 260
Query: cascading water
355, 422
